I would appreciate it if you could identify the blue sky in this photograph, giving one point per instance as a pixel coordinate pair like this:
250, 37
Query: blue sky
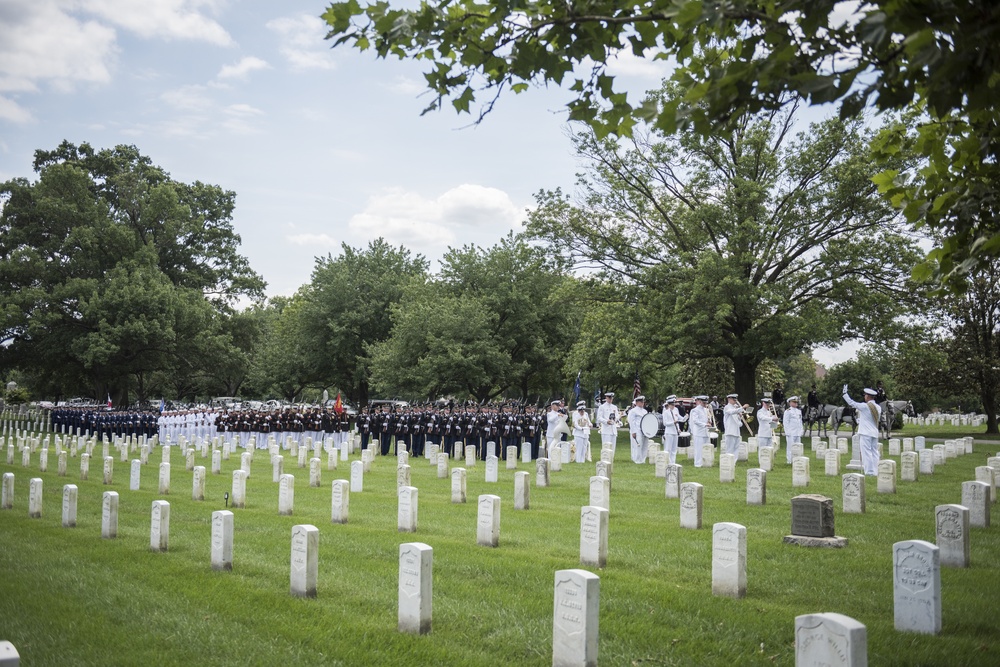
321, 146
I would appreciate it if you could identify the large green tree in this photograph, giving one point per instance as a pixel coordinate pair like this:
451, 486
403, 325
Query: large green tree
736, 57
494, 321
113, 271
752, 245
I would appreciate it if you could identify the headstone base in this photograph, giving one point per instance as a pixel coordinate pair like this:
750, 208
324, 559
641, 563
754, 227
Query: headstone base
834, 542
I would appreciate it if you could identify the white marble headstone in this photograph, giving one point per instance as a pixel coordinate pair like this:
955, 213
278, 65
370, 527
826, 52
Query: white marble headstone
35, 498
916, 586
458, 486
286, 495
853, 486
692, 494
222, 540
976, 497
830, 639
357, 477
729, 560
69, 499
952, 531
305, 560
415, 587
756, 486
575, 613
340, 498
542, 472
198, 483
522, 490
159, 526
488, 521
594, 536
109, 515
674, 478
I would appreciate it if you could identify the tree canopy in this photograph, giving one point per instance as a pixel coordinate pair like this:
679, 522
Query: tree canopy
734, 58
115, 272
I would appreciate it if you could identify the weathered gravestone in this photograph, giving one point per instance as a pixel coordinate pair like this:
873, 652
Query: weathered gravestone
357, 477
406, 509
886, 476
800, 471
159, 526
488, 521
594, 536
340, 501
916, 586
511, 457
415, 587
542, 472
952, 531
35, 498
109, 469
832, 467
277, 468
727, 468
459, 486
522, 491
830, 640
222, 540
109, 515
600, 492
853, 487
442, 465
7, 497
756, 486
575, 618
987, 476
692, 495
216, 462
926, 458
198, 483
976, 496
304, 561
909, 467
70, 495
135, 475
729, 560
286, 495
402, 476
813, 522
674, 479
239, 496
492, 469
556, 457
765, 458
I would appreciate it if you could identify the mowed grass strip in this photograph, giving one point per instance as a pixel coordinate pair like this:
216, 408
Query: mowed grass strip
68, 597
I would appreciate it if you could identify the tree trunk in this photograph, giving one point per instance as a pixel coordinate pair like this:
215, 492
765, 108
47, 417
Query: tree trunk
989, 407
746, 379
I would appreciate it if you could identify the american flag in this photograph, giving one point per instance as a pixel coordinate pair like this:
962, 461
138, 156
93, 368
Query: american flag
636, 387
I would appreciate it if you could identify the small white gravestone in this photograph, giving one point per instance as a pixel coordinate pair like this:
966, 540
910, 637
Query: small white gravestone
491, 448
431, 454
522, 491
331, 459
909, 467
135, 475
492, 469
707, 456
608, 455
919, 443
109, 515
940, 455
488, 521
556, 457
70, 495
542, 472
216, 462
756, 486
887, 476
198, 483
239, 497
105, 449
565, 448
406, 509
367, 458
159, 526
830, 639
511, 457
952, 531
286, 495
402, 458
907, 445
10, 454
916, 586
189, 460
165, 454
800, 471
600, 492
357, 476
729, 560
926, 457
340, 498
442, 464
853, 486
651, 452
222, 540
43, 460
674, 479
164, 478
458, 486
35, 498
820, 452
976, 497
144, 454
415, 587
742, 451
470, 456
293, 448
604, 469
841, 445
402, 476
245, 460
277, 468
575, 611
832, 467
765, 458
109, 469
660, 464
894, 447
7, 497
727, 468
692, 494
796, 449
951, 449
305, 560
987, 476
315, 473
594, 536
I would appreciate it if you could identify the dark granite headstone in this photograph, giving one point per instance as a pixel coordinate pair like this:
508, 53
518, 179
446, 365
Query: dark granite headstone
812, 515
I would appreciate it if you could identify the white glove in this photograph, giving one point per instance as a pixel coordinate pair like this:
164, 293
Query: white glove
845, 388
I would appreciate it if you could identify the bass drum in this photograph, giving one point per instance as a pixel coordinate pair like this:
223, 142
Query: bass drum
651, 424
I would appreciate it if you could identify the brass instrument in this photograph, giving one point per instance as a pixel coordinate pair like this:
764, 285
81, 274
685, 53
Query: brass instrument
743, 415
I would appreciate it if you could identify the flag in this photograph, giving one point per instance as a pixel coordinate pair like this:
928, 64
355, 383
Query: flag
576, 388
338, 406
163, 405
109, 400
636, 387
597, 394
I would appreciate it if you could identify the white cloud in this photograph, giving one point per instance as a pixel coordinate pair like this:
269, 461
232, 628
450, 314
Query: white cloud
302, 42
404, 85
464, 214
243, 68
626, 63
188, 97
165, 19
41, 42
239, 119
14, 112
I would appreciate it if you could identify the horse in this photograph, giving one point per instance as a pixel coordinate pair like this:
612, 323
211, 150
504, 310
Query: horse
818, 416
842, 414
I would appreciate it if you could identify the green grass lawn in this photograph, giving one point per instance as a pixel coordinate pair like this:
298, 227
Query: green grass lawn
68, 597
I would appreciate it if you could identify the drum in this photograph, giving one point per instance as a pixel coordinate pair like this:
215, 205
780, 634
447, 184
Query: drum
651, 424
684, 439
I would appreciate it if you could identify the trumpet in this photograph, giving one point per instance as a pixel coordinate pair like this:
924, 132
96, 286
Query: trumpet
746, 422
